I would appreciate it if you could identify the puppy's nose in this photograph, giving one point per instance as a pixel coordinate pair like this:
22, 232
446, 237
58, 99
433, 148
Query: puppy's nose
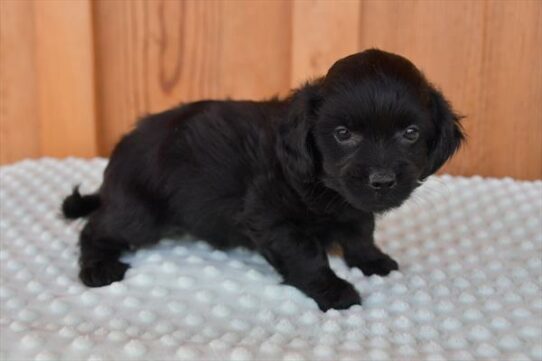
382, 180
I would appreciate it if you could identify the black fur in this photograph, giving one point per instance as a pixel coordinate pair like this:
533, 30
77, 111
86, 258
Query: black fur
274, 176
76, 206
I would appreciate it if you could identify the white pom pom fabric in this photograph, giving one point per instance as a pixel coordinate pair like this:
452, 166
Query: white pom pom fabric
470, 251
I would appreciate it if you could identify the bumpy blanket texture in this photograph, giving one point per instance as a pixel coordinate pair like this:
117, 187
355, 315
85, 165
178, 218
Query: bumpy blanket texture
469, 287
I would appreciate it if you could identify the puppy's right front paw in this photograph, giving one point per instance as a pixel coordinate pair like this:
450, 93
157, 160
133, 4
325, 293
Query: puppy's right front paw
382, 266
337, 294
103, 273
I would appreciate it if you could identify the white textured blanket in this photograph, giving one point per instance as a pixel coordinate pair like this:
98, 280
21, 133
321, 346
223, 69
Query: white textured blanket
470, 251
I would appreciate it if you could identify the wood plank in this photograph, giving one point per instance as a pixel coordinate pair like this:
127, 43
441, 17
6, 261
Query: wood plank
58, 97
151, 56
323, 32
512, 83
122, 40
255, 49
19, 124
65, 70
154, 55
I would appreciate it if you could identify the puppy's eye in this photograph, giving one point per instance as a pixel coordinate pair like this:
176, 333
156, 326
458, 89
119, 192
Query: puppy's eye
342, 134
411, 134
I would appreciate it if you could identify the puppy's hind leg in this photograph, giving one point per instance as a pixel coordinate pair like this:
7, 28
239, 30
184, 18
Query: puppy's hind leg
99, 260
107, 234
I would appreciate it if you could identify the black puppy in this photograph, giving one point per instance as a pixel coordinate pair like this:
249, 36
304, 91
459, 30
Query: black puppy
284, 177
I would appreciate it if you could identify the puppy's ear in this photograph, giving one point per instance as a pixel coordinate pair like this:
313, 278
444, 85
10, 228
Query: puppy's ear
295, 146
448, 133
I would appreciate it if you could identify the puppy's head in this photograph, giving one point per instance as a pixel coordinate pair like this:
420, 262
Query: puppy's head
372, 129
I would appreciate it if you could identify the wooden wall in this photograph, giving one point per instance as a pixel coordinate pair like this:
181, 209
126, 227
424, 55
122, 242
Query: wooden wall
75, 74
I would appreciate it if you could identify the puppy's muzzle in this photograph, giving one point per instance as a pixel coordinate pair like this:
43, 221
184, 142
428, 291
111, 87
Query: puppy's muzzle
382, 180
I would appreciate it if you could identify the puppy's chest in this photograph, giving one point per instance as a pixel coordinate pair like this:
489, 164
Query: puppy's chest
321, 227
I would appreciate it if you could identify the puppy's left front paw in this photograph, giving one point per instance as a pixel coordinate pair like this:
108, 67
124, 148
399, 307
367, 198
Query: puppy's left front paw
381, 266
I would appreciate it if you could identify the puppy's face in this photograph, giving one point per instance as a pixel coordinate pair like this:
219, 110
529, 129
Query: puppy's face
380, 129
375, 150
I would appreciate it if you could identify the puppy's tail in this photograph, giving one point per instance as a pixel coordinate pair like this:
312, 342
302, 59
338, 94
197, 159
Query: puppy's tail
76, 206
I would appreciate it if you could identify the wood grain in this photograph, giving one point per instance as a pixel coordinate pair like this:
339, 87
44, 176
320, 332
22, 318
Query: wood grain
323, 32
511, 105
65, 72
76, 75
154, 55
19, 123
255, 49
